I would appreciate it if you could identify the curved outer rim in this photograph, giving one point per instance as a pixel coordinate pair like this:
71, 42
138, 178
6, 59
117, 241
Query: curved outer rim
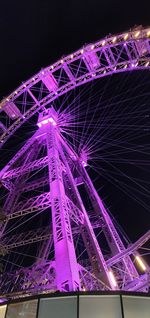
137, 61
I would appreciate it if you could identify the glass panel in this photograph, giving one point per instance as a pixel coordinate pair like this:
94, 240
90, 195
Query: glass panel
136, 307
26, 309
2, 311
64, 307
100, 307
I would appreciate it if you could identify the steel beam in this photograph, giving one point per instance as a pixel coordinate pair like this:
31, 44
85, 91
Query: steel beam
31, 166
130, 250
26, 238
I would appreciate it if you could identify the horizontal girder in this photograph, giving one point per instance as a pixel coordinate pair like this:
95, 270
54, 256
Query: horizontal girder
139, 284
20, 153
32, 185
42, 202
123, 52
41, 277
31, 166
34, 204
130, 250
25, 238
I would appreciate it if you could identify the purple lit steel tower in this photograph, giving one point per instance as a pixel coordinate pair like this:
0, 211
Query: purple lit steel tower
66, 171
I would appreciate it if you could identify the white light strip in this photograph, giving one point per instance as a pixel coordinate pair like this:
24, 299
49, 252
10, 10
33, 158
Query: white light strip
46, 121
141, 264
112, 278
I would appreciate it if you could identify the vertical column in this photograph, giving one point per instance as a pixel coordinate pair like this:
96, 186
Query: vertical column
97, 260
65, 258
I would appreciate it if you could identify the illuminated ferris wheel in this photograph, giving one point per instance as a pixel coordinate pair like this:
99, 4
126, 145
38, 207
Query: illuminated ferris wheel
77, 121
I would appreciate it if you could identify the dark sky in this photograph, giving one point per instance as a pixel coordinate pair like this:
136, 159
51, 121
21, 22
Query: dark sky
35, 33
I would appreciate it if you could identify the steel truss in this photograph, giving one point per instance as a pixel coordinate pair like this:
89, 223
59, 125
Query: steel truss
69, 220
114, 54
65, 172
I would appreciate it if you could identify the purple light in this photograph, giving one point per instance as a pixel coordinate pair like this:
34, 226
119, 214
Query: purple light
84, 163
2, 300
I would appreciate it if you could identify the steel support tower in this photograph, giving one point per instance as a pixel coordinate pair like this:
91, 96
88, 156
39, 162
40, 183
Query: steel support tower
66, 171
48, 164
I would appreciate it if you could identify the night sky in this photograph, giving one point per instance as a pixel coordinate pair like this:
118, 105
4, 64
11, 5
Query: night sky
35, 33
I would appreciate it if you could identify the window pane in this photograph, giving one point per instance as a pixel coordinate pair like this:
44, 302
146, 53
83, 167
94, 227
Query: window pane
100, 307
136, 307
26, 309
64, 307
2, 311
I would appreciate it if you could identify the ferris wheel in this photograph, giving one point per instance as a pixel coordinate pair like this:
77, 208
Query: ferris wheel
76, 126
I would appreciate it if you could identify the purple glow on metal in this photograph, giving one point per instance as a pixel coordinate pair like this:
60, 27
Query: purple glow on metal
84, 163
58, 159
84, 157
2, 300
92, 62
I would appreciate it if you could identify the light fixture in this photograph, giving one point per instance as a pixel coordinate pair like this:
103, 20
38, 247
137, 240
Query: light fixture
46, 121
114, 39
126, 36
140, 262
148, 33
112, 278
52, 121
84, 163
137, 34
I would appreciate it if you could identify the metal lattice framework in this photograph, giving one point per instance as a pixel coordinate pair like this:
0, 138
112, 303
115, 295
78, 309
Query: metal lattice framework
65, 172
120, 53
